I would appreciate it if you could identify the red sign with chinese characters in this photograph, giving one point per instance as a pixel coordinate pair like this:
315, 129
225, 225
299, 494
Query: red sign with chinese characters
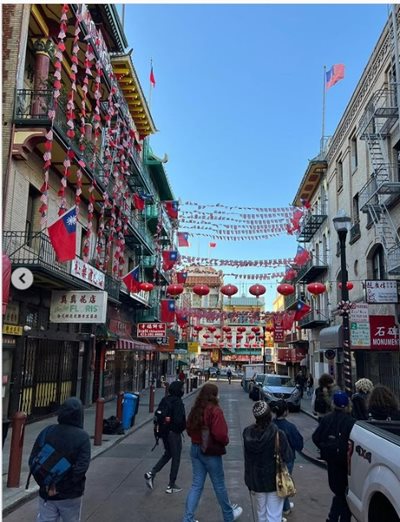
384, 333
279, 332
152, 329
291, 354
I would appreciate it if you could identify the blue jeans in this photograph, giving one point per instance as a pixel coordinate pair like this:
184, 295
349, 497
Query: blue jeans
67, 510
286, 504
203, 464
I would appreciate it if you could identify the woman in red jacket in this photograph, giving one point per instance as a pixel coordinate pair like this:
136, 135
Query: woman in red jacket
206, 412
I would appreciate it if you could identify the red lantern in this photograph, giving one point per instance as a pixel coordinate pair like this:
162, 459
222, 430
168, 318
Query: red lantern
226, 329
286, 289
241, 329
211, 329
201, 290
229, 290
146, 287
256, 330
174, 289
238, 337
349, 285
246, 345
251, 337
316, 288
229, 337
206, 336
257, 290
198, 328
217, 336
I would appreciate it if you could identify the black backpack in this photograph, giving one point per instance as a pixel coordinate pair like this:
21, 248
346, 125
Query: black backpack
320, 405
162, 421
47, 465
335, 446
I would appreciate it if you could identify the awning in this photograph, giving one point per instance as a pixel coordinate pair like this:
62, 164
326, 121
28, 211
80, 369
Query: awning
130, 344
331, 337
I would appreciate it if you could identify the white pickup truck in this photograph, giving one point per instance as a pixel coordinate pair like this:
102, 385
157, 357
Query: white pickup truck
374, 471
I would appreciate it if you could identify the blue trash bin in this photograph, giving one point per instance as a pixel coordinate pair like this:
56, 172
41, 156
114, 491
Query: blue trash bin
129, 409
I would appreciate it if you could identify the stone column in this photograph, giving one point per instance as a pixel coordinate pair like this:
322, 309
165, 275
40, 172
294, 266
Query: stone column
44, 50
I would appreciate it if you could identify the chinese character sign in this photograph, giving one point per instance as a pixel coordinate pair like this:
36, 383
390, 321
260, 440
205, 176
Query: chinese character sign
384, 333
78, 307
382, 291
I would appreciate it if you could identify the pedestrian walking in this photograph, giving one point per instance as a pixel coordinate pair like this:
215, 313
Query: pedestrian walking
321, 402
310, 385
175, 418
295, 440
218, 372
229, 375
260, 464
301, 382
331, 437
206, 416
360, 398
383, 404
181, 376
63, 500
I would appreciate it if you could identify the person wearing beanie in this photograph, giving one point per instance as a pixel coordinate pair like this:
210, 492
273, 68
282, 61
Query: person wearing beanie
360, 398
259, 462
331, 437
63, 501
294, 437
173, 441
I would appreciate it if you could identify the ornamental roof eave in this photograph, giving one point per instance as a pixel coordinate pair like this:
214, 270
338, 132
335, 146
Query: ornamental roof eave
131, 88
311, 180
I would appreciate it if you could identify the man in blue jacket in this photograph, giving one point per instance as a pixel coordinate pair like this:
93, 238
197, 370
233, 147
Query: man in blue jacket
64, 500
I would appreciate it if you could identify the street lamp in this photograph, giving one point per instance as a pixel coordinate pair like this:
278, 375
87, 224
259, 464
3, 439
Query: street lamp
264, 356
342, 224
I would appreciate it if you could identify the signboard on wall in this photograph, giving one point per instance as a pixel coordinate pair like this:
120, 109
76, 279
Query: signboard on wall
78, 307
382, 291
384, 333
359, 327
152, 329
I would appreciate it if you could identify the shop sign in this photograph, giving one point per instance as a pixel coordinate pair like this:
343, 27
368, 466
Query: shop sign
152, 329
122, 328
384, 333
12, 313
78, 307
8, 341
12, 329
279, 332
382, 291
359, 326
193, 347
88, 273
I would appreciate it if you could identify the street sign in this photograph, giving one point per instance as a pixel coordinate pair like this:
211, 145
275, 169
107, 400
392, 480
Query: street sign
152, 330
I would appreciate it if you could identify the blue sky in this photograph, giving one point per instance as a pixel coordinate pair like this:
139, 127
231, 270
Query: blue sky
238, 100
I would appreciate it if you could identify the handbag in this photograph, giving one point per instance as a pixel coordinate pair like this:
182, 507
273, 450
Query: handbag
284, 483
209, 446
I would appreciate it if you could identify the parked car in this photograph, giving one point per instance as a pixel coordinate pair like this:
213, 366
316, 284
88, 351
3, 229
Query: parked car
275, 387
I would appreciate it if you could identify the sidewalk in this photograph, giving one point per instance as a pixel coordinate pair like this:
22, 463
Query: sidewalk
310, 451
14, 496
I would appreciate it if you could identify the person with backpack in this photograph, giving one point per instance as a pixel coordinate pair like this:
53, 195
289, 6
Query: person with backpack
321, 402
332, 437
59, 460
294, 437
169, 424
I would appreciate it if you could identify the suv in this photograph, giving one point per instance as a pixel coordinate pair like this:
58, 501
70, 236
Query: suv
255, 386
276, 387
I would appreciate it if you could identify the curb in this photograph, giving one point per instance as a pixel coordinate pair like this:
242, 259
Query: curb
306, 454
25, 495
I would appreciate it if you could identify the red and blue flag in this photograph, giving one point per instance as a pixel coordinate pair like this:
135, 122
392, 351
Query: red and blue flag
335, 74
170, 257
172, 208
183, 239
62, 235
181, 277
167, 310
131, 279
302, 309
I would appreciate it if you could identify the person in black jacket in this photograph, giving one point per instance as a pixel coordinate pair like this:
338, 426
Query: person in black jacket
259, 462
294, 438
70, 439
173, 441
359, 399
331, 437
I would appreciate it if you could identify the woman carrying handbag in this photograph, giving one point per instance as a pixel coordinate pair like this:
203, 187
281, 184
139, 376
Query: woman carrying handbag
260, 463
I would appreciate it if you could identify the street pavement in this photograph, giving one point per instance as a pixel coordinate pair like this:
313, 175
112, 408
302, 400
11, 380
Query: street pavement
116, 489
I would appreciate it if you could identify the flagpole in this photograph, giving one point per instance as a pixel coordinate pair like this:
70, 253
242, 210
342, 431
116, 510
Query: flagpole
150, 85
323, 110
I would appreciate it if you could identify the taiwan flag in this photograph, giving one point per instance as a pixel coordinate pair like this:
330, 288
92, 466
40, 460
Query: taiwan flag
183, 239
131, 279
302, 309
167, 310
170, 257
181, 318
62, 235
172, 209
181, 277
138, 202
301, 257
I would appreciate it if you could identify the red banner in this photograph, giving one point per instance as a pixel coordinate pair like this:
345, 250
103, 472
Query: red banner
279, 332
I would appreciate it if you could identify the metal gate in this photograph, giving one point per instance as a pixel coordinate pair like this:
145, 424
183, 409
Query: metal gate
49, 375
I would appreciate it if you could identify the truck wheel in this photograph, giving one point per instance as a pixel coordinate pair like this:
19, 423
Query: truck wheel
381, 509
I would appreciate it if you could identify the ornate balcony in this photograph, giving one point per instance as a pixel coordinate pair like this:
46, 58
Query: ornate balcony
34, 251
312, 223
312, 269
317, 318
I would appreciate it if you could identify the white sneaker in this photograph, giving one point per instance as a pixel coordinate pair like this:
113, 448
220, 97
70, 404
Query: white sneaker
237, 511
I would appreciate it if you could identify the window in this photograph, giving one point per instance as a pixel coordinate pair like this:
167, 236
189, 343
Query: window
32, 212
354, 154
378, 263
356, 209
339, 175
83, 235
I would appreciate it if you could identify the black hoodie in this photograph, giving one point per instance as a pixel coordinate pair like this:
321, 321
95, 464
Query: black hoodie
69, 438
259, 457
176, 407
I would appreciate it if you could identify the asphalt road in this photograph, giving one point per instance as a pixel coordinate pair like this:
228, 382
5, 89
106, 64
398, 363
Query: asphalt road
116, 490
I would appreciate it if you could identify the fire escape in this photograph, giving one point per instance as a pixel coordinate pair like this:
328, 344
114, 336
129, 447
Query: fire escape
381, 191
